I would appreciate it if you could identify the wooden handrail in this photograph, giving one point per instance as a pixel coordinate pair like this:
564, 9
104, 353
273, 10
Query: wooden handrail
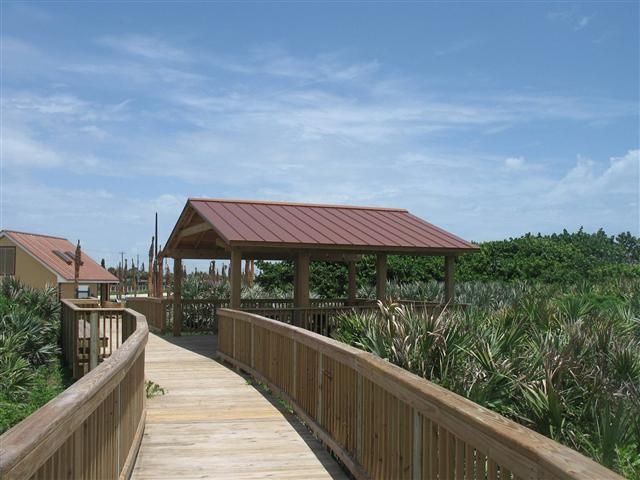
91, 430
385, 422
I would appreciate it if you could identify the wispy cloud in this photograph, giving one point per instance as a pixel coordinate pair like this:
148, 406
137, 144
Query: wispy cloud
571, 16
514, 163
322, 127
148, 47
583, 22
457, 46
20, 150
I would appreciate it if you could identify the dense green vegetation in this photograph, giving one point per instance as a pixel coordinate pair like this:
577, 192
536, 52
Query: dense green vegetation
30, 370
564, 362
564, 258
551, 339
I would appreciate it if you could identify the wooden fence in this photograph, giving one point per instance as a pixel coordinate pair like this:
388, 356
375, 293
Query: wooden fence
93, 429
384, 422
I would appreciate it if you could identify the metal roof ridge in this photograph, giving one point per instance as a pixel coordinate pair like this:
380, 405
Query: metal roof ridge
34, 234
296, 204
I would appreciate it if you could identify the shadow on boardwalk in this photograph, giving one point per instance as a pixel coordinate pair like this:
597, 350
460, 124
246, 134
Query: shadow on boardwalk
212, 423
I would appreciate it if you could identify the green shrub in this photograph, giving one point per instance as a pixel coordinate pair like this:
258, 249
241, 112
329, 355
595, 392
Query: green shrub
564, 362
30, 370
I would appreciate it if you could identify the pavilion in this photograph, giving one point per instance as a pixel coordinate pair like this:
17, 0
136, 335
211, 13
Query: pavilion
259, 230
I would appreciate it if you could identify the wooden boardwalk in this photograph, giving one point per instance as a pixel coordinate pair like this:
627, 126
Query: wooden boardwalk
211, 423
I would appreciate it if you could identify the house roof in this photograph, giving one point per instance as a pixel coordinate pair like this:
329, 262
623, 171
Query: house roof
44, 247
248, 225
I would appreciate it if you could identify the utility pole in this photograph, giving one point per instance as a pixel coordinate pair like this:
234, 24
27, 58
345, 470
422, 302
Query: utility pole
122, 276
157, 286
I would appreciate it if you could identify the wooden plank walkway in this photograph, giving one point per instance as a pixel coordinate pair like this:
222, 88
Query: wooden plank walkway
212, 424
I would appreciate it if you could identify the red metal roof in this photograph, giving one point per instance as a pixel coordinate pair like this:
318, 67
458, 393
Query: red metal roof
307, 225
42, 248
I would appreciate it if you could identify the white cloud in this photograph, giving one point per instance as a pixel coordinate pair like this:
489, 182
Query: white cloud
583, 22
21, 151
514, 163
588, 179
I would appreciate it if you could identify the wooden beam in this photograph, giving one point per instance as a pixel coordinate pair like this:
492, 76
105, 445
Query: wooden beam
449, 282
350, 249
177, 297
353, 288
197, 253
335, 257
236, 278
381, 276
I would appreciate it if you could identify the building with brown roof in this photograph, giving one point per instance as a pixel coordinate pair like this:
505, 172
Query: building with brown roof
41, 260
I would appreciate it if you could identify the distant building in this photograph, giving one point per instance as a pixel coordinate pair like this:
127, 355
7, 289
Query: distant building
40, 260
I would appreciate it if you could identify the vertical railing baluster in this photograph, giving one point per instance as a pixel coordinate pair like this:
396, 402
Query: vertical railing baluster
94, 334
417, 445
319, 397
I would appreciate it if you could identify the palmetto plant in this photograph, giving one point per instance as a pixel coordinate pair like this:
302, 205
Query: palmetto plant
29, 331
16, 376
563, 362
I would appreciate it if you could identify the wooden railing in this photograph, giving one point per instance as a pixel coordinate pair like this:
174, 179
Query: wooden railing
201, 314
315, 319
384, 422
90, 334
93, 429
154, 309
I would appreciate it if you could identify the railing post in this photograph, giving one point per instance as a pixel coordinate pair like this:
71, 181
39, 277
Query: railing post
294, 370
93, 340
75, 361
253, 345
233, 340
118, 411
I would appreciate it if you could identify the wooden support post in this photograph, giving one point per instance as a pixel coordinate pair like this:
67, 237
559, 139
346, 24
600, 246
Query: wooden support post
353, 288
177, 297
302, 280
236, 279
449, 283
94, 329
301, 290
381, 276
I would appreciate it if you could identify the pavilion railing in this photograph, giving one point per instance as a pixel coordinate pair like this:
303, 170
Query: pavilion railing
93, 429
200, 315
384, 422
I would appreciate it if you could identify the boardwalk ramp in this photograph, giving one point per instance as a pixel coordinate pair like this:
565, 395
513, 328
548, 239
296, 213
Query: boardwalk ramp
212, 423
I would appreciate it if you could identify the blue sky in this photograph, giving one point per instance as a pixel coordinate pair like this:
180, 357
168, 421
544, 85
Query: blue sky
488, 119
